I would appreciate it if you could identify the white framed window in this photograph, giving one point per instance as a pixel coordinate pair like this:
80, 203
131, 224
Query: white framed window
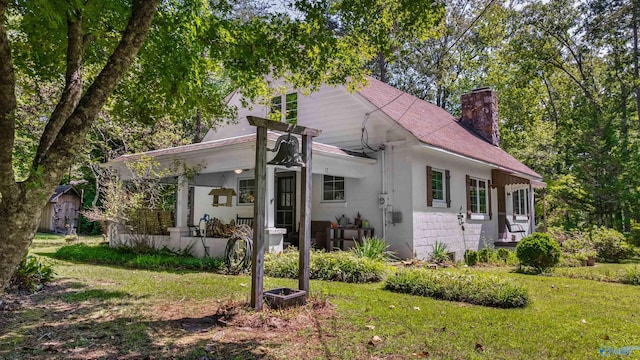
520, 200
438, 185
246, 191
438, 189
478, 192
333, 188
284, 108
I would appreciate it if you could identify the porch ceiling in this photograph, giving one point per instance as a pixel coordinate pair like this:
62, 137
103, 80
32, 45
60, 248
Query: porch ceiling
239, 153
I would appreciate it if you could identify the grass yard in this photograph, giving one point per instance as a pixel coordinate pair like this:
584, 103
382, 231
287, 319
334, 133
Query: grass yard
94, 311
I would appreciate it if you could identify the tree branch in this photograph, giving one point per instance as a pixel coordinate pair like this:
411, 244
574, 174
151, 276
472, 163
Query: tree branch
7, 108
73, 85
71, 136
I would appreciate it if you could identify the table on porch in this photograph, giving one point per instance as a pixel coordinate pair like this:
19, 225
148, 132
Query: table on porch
337, 235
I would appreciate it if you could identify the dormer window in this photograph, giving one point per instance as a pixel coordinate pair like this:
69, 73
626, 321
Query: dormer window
284, 108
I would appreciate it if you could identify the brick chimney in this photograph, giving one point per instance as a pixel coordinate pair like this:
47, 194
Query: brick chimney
480, 113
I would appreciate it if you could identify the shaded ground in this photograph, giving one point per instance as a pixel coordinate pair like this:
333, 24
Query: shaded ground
71, 321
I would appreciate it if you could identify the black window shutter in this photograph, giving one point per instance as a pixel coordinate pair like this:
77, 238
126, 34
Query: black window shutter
468, 184
448, 188
429, 187
489, 200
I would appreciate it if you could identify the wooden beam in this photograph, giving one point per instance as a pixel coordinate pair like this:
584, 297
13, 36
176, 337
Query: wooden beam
259, 208
305, 215
281, 126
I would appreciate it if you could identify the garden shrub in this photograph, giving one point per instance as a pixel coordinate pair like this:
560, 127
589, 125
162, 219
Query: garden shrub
570, 260
373, 248
496, 257
471, 257
610, 245
487, 255
503, 254
31, 275
576, 249
158, 260
439, 255
539, 251
634, 234
334, 266
479, 289
630, 276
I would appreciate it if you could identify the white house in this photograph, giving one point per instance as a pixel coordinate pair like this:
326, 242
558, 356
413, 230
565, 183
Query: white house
406, 166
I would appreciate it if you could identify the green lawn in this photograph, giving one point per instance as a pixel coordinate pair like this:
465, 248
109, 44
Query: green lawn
54, 241
110, 312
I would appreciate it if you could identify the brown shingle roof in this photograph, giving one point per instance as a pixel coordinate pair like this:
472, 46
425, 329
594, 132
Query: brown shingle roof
436, 127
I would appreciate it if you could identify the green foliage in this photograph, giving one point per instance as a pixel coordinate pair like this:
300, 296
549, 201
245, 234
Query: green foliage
373, 248
634, 234
504, 254
630, 276
539, 251
576, 247
158, 260
606, 273
489, 256
610, 245
471, 288
439, 253
31, 275
471, 257
334, 266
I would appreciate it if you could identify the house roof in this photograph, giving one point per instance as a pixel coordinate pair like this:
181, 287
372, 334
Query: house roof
61, 190
434, 126
271, 136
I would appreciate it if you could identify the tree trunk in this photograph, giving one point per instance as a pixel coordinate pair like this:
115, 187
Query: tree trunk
197, 137
21, 203
636, 54
382, 67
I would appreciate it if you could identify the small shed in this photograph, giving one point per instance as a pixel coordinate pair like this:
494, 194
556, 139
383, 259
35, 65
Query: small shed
60, 215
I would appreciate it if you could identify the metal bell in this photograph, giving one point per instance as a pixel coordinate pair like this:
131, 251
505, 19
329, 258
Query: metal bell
287, 152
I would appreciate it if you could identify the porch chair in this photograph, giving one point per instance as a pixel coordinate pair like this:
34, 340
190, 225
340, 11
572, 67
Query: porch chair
244, 221
515, 228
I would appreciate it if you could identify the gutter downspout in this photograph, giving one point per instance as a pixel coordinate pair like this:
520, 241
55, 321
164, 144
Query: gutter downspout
384, 191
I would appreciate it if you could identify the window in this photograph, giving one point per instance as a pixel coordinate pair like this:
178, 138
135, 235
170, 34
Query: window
333, 188
246, 191
285, 108
438, 187
520, 202
477, 196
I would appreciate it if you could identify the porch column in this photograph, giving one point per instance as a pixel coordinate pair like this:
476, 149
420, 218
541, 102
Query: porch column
182, 202
269, 215
532, 210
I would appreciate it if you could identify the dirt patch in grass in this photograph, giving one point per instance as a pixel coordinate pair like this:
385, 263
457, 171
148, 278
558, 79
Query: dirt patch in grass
69, 320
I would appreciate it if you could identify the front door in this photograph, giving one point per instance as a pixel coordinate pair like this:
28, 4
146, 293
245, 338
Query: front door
286, 202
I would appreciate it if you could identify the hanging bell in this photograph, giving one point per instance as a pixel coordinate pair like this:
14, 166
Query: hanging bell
287, 152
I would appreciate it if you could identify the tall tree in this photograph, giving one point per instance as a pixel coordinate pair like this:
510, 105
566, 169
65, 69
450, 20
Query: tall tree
195, 50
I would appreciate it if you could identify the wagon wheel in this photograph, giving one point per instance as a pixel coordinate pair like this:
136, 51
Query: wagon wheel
237, 254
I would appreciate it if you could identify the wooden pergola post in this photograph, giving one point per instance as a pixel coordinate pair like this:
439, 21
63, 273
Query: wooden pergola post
304, 244
257, 260
259, 208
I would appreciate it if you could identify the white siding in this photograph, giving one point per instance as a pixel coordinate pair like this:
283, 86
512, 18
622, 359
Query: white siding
399, 187
339, 114
440, 224
202, 201
361, 195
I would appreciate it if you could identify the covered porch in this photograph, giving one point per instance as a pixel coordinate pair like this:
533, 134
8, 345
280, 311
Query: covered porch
516, 206
224, 189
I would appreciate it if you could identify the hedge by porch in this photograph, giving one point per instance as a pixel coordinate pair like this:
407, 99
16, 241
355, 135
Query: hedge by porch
478, 289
